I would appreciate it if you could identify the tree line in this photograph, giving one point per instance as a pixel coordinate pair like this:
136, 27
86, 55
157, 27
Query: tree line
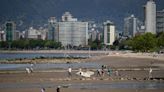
30, 44
147, 42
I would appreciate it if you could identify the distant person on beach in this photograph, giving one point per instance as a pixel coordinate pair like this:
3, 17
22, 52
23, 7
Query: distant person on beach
103, 67
32, 70
116, 73
69, 72
80, 70
58, 89
98, 72
43, 90
150, 72
103, 72
28, 70
109, 71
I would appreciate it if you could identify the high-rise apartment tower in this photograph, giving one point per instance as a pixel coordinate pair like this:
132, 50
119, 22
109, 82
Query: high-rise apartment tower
150, 14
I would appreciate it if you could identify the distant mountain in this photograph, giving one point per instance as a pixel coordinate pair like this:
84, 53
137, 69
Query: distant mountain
36, 12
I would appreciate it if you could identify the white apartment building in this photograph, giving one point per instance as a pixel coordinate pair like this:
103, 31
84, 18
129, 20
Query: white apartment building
132, 26
150, 14
72, 32
37, 34
160, 21
109, 33
52, 29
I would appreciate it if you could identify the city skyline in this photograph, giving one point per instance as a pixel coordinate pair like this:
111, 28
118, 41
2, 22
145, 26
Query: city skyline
71, 30
37, 13
150, 16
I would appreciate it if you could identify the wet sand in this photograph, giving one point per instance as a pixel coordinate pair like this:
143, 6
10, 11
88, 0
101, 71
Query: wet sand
130, 70
82, 90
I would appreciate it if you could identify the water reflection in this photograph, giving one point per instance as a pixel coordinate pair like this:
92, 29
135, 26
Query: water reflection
124, 85
49, 66
118, 85
38, 55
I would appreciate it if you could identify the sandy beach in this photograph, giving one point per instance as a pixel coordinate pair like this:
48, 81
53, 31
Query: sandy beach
132, 68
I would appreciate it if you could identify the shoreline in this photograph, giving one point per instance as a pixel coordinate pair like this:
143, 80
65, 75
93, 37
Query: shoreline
51, 51
100, 55
50, 79
42, 61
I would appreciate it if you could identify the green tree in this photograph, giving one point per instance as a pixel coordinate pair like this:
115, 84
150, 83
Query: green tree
144, 43
49, 44
58, 45
160, 40
3, 44
96, 44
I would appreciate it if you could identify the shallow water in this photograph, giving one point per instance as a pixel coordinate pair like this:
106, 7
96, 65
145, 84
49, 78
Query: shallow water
131, 85
38, 55
48, 66
124, 85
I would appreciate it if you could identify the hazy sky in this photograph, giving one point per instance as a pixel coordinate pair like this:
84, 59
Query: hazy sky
40, 10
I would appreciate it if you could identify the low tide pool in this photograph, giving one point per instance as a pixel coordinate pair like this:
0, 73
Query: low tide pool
48, 66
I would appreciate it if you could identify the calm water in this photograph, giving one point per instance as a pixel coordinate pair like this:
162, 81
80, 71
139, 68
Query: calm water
48, 66
38, 55
124, 85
